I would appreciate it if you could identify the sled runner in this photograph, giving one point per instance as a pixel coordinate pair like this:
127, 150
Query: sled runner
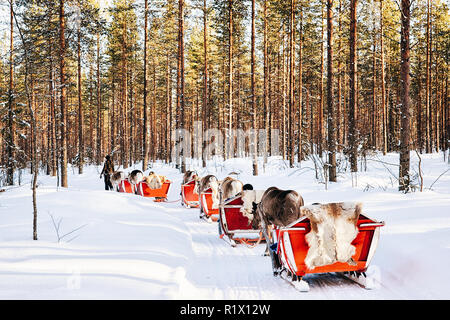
292, 249
126, 186
160, 194
206, 210
188, 198
234, 226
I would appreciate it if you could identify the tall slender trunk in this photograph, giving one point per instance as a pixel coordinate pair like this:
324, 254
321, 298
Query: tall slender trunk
169, 112
205, 77
124, 102
146, 128
405, 132
63, 124
339, 83
253, 95
11, 128
283, 62
300, 88
374, 118
428, 82
80, 106
419, 126
180, 76
330, 103
383, 83
352, 90
266, 85
99, 106
230, 79
291, 83
51, 89
320, 129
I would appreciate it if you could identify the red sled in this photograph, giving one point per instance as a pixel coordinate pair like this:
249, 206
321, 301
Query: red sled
126, 186
292, 249
235, 227
189, 198
206, 210
160, 194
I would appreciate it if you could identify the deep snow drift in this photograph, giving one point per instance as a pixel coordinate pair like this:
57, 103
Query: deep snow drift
122, 246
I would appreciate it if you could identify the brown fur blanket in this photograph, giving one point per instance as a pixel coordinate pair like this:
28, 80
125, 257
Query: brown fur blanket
333, 228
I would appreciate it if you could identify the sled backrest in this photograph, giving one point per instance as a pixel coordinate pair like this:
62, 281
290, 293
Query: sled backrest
144, 190
207, 202
126, 186
188, 192
294, 248
233, 217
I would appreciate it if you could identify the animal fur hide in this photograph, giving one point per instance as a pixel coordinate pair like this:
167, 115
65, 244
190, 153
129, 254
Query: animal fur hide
333, 228
154, 181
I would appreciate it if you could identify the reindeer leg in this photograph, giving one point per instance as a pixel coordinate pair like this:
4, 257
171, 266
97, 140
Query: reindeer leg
268, 244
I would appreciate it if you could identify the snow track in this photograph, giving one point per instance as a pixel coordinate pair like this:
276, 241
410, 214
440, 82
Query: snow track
133, 248
219, 271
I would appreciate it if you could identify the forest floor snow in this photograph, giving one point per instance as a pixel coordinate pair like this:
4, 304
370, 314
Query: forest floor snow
96, 244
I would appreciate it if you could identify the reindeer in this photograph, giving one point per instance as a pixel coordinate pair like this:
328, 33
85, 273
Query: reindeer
209, 181
229, 187
277, 207
135, 177
189, 176
116, 178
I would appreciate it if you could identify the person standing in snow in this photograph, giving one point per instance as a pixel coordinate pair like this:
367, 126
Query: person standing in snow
108, 170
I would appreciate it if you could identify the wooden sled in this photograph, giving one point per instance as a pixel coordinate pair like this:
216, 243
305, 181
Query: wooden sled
235, 227
206, 210
160, 194
188, 198
126, 186
292, 249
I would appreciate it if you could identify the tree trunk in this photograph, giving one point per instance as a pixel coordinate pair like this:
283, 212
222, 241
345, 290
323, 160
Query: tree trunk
11, 128
253, 95
428, 83
320, 129
230, 80
180, 76
53, 144
80, 106
383, 83
266, 85
145, 130
405, 132
63, 125
330, 104
99, 106
205, 78
339, 84
352, 90
291, 83
300, 89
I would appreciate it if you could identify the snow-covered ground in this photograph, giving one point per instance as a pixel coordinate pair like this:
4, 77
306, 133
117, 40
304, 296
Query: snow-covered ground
122, 246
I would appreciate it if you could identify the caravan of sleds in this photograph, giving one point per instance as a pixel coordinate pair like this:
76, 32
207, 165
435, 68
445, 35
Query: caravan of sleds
318, 238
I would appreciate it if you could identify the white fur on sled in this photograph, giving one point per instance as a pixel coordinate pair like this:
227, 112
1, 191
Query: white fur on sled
333, 228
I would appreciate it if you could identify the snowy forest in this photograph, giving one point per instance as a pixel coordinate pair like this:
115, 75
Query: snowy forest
81, 79
340, 100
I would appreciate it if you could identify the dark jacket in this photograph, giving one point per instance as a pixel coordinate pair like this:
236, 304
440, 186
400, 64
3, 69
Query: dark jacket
108, 167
